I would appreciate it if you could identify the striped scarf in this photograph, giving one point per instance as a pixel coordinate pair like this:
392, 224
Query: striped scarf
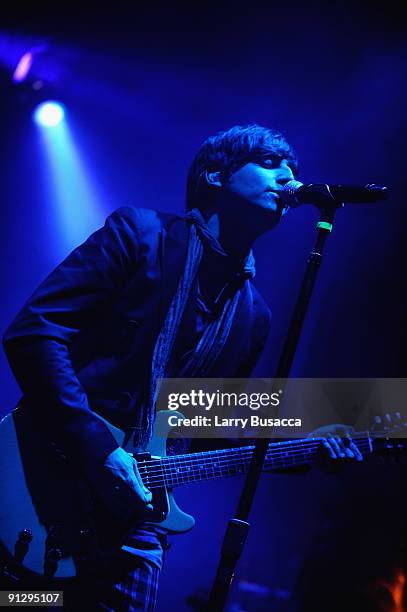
216, 332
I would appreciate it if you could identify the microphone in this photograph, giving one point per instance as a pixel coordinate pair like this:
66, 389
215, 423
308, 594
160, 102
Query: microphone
295, 193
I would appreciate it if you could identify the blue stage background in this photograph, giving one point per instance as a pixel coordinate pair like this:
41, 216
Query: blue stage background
142, 89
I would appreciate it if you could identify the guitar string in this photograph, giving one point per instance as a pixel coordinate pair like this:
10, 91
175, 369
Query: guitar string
202, 471
171, 479
274, 446
220, 456
225, 460
239, 451
197, 467
208, 458
185, 465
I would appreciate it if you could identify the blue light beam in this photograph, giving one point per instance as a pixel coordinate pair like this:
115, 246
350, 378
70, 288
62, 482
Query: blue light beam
73, 207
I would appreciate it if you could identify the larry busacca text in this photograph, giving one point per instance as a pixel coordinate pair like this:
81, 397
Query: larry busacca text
242, 423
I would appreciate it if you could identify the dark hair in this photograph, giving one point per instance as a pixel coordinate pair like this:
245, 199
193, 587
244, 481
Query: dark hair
228, 151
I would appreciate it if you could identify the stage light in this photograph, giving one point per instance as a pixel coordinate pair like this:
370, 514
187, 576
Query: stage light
49, 114
23, 67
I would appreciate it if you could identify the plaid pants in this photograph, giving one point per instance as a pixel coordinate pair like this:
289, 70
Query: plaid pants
131, 586
128, 584
135, 591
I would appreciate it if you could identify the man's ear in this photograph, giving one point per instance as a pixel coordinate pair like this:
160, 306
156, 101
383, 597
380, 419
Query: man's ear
213, 178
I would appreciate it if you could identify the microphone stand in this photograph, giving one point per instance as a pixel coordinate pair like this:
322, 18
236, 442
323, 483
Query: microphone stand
238, 527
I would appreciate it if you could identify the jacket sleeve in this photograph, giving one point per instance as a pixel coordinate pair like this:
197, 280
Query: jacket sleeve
38, 341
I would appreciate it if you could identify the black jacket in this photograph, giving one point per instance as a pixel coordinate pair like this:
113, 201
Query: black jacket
84, 340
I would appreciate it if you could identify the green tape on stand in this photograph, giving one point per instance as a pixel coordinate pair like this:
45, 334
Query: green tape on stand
324, 225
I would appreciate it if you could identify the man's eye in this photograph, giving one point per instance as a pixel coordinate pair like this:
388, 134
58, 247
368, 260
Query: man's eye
268, 162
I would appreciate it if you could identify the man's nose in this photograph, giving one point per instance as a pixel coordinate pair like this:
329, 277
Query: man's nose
285, 173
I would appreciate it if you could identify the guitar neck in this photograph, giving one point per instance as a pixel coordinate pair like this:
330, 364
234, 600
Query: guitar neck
193, 467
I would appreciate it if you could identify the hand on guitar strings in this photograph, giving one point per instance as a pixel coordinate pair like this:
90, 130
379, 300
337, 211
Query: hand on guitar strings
120, 487
337, 442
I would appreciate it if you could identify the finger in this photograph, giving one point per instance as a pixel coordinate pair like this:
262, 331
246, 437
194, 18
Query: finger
128, 483
344, 447
136, 486
335, 442
349, 452
329, 448
346, 451
137, 475
147, 495
140, 489
358, 455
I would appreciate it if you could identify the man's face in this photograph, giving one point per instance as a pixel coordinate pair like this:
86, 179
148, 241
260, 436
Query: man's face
258, 182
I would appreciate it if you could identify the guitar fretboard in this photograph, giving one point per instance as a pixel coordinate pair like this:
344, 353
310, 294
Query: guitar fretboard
193, 467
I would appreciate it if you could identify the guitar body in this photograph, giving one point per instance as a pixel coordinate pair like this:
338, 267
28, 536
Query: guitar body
176, 521
50, 523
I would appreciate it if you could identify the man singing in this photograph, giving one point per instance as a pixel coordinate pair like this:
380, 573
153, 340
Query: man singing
150, 295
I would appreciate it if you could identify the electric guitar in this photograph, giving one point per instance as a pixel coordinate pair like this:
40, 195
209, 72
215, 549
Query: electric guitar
50, 524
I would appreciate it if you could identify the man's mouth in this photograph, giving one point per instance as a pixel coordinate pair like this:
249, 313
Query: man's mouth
275, 194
